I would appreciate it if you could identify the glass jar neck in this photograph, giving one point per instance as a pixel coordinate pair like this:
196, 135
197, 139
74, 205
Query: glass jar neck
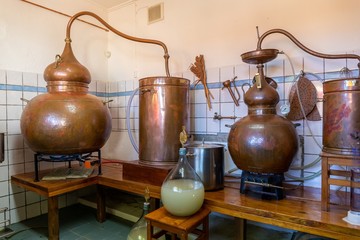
146, 208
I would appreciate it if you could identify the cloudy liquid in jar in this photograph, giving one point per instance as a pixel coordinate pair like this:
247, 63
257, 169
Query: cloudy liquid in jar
182, 197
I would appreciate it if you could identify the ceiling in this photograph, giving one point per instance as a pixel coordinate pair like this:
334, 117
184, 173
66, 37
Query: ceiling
110, 3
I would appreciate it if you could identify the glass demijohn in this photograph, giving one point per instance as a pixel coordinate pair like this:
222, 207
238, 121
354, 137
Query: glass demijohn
138, 231
182, 192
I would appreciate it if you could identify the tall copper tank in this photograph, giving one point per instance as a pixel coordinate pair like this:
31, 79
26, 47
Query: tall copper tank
341, 116
262, 142
163, 110
66, 119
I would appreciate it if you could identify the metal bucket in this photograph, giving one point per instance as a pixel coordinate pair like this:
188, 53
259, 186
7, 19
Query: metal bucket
341, 113
163, 110
208, 162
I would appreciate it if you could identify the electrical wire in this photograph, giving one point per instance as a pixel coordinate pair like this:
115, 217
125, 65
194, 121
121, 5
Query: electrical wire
298, 95
318, 159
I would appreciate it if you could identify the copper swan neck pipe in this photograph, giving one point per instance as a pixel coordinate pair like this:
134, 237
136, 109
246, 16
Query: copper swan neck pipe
300, 45
136, 39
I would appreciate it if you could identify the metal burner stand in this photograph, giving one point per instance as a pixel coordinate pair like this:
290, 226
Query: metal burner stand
80, 157
267, 185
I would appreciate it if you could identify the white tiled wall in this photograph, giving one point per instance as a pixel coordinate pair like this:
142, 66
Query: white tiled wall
19, 158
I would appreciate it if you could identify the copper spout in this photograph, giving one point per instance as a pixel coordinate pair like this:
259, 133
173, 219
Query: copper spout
227, 84
305, 49
260, 56
136, 39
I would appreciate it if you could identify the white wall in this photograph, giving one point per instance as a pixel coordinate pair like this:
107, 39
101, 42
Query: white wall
222, 30
30, 36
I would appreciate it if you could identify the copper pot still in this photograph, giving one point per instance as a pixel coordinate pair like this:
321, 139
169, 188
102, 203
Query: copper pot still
341, 116
66, 119
262, 141
164, 109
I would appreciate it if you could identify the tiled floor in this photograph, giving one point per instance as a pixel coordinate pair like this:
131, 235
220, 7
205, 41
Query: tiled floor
79, 222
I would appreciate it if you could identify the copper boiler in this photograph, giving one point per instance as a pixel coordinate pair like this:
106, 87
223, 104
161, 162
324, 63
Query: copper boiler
262, 141
66, 119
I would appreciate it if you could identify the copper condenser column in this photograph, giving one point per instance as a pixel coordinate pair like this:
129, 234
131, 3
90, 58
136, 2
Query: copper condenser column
341, 129
163, 111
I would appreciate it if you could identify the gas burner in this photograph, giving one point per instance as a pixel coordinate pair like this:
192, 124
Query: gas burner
264, 185
80, 157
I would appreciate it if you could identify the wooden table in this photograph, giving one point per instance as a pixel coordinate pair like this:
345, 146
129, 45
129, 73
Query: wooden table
300, 210
51, 190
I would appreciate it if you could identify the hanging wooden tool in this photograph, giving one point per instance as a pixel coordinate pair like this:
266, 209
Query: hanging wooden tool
198, 68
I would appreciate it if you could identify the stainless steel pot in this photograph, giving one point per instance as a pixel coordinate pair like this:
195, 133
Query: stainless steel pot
208, 162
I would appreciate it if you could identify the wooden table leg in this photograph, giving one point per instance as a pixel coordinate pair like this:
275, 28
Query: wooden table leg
53, 218
206, 228
324, 184
241, 226
101, 204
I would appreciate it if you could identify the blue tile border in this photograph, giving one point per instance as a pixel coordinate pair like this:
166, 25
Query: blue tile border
238, 83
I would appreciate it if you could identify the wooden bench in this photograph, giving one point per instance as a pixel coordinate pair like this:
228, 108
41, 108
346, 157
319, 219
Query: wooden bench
300, 210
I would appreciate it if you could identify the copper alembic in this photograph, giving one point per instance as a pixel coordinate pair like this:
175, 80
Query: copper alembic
67, 119
264, 142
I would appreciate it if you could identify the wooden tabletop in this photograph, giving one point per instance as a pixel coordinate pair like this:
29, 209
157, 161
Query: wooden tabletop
52, 187
300, 210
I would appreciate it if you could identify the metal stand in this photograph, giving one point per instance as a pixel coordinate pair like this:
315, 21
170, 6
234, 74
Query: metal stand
268, 186
81, 157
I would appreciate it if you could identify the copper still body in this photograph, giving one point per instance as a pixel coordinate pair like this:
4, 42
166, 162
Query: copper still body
67, 119
341, 123
163, 110
262, 142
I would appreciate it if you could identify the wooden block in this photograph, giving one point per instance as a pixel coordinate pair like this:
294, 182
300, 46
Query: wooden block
134, 171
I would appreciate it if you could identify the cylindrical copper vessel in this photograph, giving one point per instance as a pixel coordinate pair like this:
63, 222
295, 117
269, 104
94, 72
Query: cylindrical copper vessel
341, 116
67, 119
262, 142
163, 109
